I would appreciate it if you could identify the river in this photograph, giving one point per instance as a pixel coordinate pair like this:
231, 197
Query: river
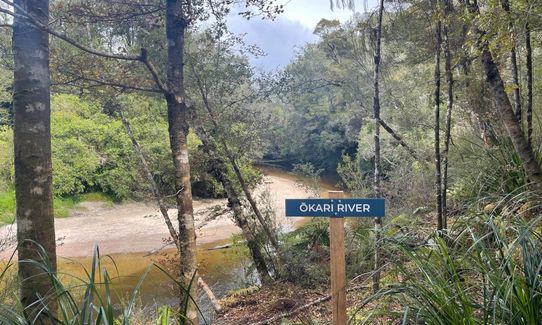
223, 269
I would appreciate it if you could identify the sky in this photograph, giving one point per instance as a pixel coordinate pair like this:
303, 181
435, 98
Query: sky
282, 38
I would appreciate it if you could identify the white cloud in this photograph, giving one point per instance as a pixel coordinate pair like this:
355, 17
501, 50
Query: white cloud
290, 31
309, 12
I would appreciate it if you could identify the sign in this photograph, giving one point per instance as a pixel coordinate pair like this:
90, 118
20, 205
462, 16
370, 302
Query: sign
335, 208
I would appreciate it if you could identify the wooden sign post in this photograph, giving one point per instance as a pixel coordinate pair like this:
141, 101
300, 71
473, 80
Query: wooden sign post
338, 265
336, 208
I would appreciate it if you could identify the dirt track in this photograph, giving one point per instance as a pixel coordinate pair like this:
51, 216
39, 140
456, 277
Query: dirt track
139, 227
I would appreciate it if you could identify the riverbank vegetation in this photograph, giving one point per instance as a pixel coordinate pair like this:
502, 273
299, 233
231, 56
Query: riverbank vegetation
434, 106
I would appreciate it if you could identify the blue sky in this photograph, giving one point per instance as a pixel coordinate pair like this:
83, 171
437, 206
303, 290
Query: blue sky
281, 38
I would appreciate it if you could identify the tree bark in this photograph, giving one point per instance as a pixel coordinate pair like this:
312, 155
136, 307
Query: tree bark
376, 135
507, 114
399, 139
505, 4
522, 146
32, 146
529, 54
214, 301
449, 106
176, 23
438, 167
220, 173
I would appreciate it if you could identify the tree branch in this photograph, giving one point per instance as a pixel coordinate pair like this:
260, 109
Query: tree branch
64, 37
398, 138
152, 70
140, 58
98, 83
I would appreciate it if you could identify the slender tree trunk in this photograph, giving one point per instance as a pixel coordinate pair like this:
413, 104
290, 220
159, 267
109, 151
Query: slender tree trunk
220, 173
162, 206
449, 106
148, 174
507, 114
438, 167
529, 54
376, 116
269, 233
176, 24
515, 80
480, 118
32, 146
513, 63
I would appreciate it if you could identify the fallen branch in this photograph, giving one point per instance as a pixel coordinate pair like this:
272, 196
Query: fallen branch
226, 246
216, 304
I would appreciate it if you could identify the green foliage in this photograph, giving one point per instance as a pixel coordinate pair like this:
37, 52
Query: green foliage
307, 251
90, 150
484, 172
488, 274
7, 207
7, 171
307, 170
92, 153
63, 206
354, 176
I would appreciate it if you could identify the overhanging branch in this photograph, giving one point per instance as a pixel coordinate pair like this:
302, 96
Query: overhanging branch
143, 58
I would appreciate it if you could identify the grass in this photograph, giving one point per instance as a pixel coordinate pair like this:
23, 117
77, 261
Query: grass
489, 272
7, 207
62, 205
89, 301
94, 197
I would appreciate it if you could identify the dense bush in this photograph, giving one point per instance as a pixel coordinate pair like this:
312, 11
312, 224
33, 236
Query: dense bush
92, 153
487, 271
90, 150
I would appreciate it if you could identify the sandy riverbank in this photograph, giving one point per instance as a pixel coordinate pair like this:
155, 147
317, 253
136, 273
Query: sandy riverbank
139, 227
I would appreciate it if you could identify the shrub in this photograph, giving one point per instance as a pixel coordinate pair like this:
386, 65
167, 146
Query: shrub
478, 277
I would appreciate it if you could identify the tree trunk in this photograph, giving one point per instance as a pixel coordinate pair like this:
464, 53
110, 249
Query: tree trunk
269, 233
529, 53
523, 148
513, 63
162, 206
507, 114
449, 106
376, 116
220, 173
438, 167
148, 174
399, 139
176, 24
32, 146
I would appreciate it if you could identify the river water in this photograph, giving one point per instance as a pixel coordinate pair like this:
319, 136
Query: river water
223, 269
